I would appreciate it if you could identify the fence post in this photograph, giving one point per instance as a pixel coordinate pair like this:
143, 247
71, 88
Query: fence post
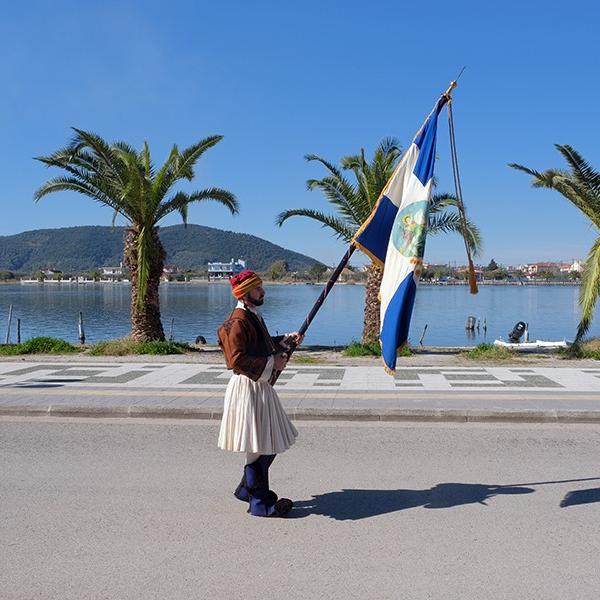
81, 330
10, 309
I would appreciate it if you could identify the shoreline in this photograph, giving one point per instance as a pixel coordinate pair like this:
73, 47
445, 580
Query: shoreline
320, 283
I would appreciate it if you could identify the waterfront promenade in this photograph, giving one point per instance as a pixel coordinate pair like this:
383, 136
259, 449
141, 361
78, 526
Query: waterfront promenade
425, 387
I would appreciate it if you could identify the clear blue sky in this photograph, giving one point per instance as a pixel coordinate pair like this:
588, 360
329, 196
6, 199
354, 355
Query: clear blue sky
282, 79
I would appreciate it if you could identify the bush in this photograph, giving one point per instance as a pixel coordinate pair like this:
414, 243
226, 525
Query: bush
39, 345
490, 352
371, 349
589, 349
127, 346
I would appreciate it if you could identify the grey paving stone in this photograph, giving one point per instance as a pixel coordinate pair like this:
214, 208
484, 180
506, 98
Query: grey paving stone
205, 378
470, 377
406, 375
123, 378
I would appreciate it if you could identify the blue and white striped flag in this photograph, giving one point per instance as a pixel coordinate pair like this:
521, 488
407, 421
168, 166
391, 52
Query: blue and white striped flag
394, 236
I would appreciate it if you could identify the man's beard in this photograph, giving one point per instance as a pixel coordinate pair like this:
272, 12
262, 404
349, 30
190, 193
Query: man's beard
258, 302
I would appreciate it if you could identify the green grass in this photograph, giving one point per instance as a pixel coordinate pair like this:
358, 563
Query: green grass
371, 349
490, 352
589, 349
127, 346
304, 359
39, 345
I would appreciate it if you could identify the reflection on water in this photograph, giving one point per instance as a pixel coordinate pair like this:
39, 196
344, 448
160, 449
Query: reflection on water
198, 309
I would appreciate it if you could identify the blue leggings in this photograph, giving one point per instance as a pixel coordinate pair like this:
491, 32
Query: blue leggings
254, 487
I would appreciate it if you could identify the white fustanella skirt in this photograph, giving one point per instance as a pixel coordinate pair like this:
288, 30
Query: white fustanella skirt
253, 418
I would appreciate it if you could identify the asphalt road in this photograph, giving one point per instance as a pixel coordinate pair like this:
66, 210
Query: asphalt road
127, 509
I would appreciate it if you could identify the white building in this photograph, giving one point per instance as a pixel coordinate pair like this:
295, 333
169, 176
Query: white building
113, 271
220, 270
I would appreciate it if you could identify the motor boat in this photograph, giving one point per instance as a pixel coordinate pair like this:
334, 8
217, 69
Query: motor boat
522, 329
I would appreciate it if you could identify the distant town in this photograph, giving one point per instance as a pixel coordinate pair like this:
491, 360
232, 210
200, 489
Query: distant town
531, 273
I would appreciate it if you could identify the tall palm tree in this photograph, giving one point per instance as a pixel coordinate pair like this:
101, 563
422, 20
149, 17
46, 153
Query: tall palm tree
581, 186
354, 201
118, 176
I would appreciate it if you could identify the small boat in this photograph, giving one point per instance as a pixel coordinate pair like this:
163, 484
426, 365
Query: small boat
538, 345
515, 343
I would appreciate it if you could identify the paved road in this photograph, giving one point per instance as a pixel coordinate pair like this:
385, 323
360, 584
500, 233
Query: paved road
142, 509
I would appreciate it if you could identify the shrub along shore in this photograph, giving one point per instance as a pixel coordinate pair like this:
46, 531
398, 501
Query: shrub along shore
128, 347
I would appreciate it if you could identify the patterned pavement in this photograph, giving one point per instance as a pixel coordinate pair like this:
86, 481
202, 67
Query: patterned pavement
373, 379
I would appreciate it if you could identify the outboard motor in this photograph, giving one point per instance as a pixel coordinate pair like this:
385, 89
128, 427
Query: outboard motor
514, 337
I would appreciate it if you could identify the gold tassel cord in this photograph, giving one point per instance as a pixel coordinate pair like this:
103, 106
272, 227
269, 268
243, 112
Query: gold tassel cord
461, 207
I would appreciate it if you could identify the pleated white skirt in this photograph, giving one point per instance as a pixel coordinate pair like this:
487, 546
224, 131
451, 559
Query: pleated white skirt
253, 418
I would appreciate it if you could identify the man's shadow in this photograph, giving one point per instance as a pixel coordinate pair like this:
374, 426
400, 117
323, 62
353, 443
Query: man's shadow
352, 505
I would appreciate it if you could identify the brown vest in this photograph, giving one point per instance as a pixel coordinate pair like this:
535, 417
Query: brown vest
246, 343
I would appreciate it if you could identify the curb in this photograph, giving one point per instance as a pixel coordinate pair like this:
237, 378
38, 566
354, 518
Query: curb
316, 414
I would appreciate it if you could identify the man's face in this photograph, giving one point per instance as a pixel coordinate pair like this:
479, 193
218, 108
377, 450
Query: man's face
255, 296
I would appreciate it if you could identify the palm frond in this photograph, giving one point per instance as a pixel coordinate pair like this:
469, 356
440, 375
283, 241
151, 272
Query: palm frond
328, 165
582, 170
440, 202
147, 161
189, 157
340, 227
341, 193
73, 184
450, 222
181, 200
590, 288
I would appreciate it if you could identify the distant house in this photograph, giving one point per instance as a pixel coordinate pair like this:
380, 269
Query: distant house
534, 269
168, 272
52, 273
221, 270
113, 271
346, 275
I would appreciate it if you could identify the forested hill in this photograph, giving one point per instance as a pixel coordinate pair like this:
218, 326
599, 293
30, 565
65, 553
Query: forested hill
82, 248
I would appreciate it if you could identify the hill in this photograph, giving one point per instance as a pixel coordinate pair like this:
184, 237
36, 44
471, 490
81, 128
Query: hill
72, 249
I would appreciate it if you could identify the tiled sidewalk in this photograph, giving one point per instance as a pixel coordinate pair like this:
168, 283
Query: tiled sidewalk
215, 377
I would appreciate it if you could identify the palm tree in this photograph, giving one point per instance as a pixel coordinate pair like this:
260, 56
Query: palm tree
582, 187
354, 203
118, 176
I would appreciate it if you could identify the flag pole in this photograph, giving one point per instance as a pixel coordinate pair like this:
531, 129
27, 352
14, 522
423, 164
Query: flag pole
317, 305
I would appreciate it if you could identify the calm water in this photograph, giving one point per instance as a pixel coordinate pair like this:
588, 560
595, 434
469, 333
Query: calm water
50, 309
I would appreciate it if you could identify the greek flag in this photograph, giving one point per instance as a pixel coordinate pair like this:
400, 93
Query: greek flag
394, 236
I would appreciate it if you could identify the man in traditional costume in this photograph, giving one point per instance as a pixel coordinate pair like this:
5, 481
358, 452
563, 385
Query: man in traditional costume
254, 421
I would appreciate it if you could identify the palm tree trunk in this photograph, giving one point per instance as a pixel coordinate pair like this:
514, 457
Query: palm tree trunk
145, 320
371, 323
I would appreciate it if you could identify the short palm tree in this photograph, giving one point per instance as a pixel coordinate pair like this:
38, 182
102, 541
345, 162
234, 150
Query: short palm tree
118, 176
354, 203
581, 186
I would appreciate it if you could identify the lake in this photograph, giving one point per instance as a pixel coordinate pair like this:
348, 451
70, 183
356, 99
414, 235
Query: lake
198, 309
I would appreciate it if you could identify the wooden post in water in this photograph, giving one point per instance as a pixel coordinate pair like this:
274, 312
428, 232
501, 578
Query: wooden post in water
18, 331
81, 330
171, 330
10, 308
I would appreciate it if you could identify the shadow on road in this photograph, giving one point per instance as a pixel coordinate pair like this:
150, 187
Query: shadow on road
351, 505
581, 497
